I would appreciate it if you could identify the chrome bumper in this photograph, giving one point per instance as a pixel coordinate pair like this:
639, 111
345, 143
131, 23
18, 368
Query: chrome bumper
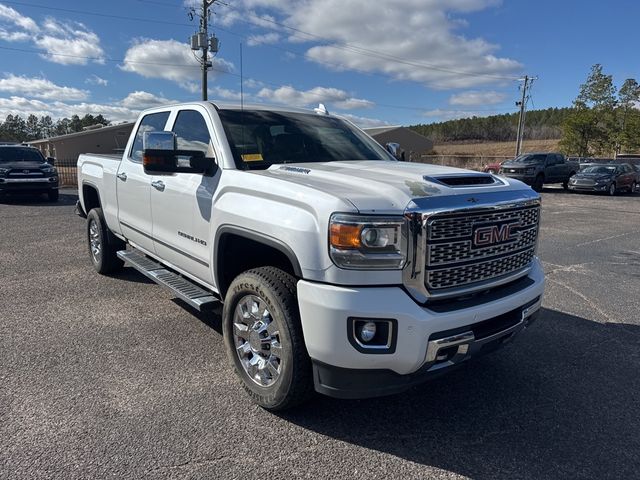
454, 349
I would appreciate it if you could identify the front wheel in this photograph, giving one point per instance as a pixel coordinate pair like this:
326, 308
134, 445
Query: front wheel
53, 195
612, 190
538, 183
634, 187
263, 337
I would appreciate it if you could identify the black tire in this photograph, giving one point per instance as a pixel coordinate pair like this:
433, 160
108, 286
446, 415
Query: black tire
611, 191
277, 289
565, 184
53, 195
104, 258
538, 183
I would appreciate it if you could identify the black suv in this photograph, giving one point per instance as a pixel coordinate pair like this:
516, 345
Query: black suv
25, 170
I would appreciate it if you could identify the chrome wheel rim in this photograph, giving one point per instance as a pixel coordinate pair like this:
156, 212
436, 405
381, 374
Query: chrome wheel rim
256, 338
94, 241
612, 189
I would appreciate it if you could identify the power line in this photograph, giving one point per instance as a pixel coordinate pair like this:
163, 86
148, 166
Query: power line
347, 47
113, 60
343, 46
227, 72
364, 51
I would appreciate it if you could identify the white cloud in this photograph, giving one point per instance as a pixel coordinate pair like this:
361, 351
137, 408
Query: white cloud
169, 60
69, 43
333, 97
17, 19
14, 36
364, 122
224, 93
414, 40
66, 43
125, 110
264, 39
22, 106
40, 88
477, 98
96, 80
140, 100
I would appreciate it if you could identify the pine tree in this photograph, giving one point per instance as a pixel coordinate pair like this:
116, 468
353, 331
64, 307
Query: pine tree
628, 135
590, 129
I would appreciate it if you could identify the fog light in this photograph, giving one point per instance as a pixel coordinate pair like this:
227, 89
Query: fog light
368, 332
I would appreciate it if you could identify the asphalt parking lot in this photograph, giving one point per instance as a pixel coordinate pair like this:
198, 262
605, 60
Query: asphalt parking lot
108, 377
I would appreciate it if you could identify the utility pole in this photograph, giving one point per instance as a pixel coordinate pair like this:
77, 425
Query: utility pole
201, 41
523, 111
522, 104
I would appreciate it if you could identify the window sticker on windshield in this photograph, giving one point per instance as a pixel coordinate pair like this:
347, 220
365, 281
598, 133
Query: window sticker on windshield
252, 157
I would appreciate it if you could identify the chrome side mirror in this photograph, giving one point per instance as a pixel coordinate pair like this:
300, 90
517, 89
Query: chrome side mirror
393, 148
159, 141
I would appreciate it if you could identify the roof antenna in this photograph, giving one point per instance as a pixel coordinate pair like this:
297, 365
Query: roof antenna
241, 82
321, 109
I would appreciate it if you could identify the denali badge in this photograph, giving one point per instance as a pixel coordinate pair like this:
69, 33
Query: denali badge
486, 235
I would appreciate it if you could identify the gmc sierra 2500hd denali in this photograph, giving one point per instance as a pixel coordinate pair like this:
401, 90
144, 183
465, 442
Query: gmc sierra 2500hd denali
340, 269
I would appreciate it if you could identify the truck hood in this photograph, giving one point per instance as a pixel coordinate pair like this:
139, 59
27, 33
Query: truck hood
384, 187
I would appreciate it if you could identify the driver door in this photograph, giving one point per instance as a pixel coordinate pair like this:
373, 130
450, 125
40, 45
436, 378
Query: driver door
182, 202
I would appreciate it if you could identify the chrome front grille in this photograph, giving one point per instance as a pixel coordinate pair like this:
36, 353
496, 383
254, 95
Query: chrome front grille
452, 261
25, 173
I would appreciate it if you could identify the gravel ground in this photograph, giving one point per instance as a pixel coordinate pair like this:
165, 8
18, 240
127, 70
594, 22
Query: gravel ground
108, 377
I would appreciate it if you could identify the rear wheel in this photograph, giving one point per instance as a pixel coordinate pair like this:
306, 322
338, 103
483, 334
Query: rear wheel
612, 189
263, 338
103, 246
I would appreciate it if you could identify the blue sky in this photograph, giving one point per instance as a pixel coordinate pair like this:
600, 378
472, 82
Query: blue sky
395, 62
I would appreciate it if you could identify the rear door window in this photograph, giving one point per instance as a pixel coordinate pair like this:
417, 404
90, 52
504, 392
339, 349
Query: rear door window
153, 122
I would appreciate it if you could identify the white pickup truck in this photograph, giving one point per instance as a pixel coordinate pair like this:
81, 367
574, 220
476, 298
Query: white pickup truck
341, 270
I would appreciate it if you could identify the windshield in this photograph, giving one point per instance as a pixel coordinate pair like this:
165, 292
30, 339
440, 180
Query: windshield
600, 169
531, 158
18, 154
259, 139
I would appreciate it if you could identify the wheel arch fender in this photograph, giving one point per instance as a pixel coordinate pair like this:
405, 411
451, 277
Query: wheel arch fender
226, 233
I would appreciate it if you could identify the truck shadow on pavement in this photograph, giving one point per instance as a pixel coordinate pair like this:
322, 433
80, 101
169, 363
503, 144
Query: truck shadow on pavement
562, 401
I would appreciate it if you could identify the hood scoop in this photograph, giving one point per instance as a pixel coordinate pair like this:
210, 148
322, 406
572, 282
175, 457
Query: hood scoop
465, 180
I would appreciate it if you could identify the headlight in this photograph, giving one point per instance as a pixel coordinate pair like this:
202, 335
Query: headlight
49, 170
358, 242
4, 171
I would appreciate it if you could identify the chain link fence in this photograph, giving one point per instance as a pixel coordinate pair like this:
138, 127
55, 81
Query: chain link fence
67, 172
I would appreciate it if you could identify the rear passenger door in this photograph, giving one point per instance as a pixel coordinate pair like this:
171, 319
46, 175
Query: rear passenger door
133, 186
182, 203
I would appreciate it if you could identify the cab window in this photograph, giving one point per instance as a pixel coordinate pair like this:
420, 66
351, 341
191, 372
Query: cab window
153, 122
191, 131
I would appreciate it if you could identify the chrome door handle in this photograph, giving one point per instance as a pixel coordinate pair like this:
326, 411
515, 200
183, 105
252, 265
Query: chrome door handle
122, 176
158, 185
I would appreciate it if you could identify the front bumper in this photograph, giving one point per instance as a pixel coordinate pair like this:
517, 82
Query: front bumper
528, 179
588, 188
429, 340
17, 185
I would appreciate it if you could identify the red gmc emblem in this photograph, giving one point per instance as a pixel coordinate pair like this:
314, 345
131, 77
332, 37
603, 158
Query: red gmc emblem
486, 235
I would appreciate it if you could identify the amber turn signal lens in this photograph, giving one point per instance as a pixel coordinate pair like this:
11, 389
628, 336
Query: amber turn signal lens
345, 236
